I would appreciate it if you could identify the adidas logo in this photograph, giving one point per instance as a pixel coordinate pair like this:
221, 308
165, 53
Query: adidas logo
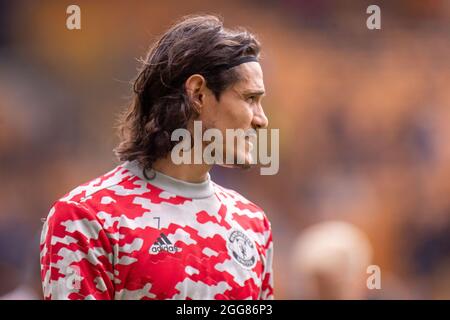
163, 244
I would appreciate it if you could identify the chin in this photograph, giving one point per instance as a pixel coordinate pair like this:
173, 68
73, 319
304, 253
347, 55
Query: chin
244, 166
248, 161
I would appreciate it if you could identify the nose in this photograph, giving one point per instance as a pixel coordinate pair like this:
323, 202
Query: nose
260, 120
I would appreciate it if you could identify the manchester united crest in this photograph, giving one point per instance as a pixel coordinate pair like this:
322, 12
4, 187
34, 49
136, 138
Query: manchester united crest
242, 249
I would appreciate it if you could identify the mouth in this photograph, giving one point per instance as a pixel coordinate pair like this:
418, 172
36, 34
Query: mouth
250, 138
250, 133
250, 146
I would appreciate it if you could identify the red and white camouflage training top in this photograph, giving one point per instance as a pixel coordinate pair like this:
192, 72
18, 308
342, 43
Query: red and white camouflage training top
123, 236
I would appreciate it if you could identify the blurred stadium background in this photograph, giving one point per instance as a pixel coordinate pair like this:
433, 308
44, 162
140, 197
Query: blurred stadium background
364, 119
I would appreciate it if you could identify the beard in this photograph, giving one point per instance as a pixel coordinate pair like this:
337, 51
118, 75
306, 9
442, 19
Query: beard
243, 166
239, 161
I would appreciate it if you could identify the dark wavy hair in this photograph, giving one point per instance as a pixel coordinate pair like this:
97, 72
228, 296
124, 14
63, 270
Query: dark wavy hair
160, 103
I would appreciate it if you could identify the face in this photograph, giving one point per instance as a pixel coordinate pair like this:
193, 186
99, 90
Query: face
239, 107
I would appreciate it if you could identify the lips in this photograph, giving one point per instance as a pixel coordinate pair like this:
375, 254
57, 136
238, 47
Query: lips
250, 145
250, 133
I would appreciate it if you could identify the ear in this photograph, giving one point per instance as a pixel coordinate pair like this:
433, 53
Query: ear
196, 88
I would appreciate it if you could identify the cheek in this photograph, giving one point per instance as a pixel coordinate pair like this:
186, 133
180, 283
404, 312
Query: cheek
237, 116
228, 113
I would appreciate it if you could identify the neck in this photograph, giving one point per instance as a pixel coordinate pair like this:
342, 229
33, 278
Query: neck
193, 173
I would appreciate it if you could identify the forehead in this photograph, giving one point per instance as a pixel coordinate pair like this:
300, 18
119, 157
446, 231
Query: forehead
251, 77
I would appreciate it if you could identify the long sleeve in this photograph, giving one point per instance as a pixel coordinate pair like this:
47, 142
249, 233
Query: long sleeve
76, 255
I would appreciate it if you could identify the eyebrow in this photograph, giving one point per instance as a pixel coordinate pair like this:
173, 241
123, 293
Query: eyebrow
254, 93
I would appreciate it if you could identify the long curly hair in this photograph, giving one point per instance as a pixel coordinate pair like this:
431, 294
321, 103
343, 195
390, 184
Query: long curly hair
160, 103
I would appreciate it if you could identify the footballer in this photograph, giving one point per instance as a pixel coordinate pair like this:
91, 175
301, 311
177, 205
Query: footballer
153, 229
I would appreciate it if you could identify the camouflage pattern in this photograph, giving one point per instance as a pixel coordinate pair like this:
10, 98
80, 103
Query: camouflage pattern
122, 237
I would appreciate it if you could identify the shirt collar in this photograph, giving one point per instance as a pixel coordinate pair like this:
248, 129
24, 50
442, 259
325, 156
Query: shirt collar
178, 187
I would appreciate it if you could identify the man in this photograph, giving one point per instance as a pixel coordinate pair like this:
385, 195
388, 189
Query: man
153, 229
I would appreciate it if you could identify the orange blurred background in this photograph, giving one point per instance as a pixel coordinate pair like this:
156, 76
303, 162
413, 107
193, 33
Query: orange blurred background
364, 128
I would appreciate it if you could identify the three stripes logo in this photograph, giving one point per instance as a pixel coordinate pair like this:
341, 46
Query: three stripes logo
163, 244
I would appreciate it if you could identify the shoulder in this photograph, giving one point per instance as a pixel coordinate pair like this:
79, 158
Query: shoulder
116, 177
76, 216
84, 201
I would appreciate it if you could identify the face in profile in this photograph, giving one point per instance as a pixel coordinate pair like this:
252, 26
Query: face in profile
239, 107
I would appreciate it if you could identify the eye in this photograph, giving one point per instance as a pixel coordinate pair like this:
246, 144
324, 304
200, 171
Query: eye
252, 99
